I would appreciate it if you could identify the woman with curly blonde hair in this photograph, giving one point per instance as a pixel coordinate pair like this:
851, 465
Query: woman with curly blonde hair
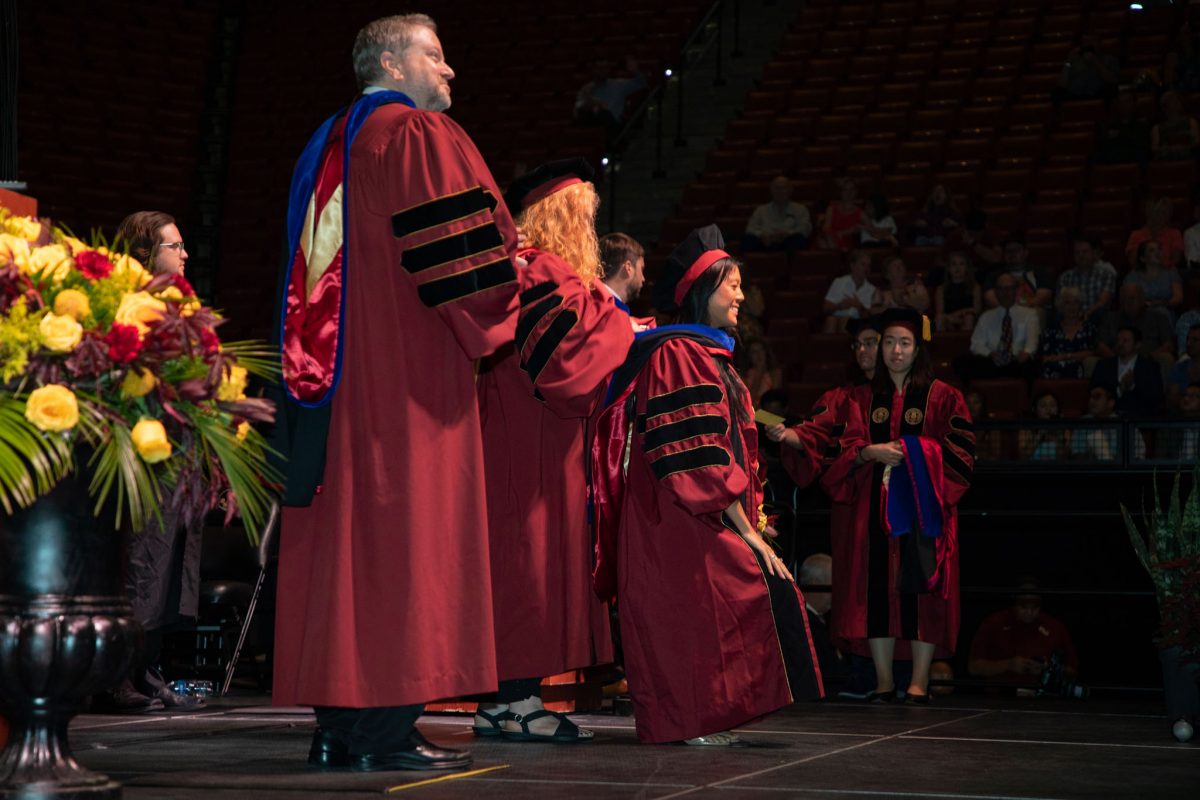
535, 399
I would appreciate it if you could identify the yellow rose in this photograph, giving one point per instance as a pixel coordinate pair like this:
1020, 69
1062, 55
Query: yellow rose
129, 268
150, 439
27, 228
171, 293
140, 309
51, 261
243, 430
138, 384
75, 245
233, 385
52, 408
73, 303
15, 251
60, 333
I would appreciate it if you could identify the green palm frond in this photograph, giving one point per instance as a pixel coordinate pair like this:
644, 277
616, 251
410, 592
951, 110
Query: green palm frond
31, 462
258, 358
116, 466
245, 465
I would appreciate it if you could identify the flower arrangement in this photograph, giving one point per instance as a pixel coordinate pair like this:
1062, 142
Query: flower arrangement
1170, 552
98, 352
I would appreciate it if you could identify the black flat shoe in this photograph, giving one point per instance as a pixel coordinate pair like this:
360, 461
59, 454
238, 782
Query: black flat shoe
420, 754
328, 751
879, 698
917, 699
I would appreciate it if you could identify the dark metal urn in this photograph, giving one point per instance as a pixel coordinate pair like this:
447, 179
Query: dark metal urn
66, 632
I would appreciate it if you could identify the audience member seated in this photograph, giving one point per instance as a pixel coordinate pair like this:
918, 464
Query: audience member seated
760, 371
1187, 370
843, 218
1157, 341
1136, 381
1124, 137
780, 225
1176, 136
1043, 444
1034, 285
988, 446
979, 240
1191, 241
1184, 326
1158, 229
878, 229
958, 301
901, 290
1183, 444
1014, 646
1102, 444
817, 570
937, 219
1096, 280
850, 296
1162, 287
601, 101
1087, 73
1070, 342
1005, 340
753, 312
1181, 68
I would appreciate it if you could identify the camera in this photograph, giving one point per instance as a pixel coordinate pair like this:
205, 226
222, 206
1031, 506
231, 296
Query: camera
1055, 682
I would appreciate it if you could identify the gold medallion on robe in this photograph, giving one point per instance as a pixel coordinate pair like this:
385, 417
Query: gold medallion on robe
880, 416
914, 416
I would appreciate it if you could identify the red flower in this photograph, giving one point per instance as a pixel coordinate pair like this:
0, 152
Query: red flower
181, 283
93, 265
123, 343
209, 341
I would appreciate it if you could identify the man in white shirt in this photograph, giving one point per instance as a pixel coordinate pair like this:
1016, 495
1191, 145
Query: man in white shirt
850, 296
780, 224
1005, 341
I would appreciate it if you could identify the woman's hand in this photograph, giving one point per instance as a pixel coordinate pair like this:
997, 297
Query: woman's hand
782, 433
774, 563
890, 453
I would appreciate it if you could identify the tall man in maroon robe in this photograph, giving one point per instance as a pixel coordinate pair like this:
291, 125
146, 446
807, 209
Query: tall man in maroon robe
384, 584
535, 398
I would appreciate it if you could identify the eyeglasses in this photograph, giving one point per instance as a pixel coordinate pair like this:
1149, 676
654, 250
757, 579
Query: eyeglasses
178, 246
863, 344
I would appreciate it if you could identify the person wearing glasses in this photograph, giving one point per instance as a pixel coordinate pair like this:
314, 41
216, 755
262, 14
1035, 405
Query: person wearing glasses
163, 577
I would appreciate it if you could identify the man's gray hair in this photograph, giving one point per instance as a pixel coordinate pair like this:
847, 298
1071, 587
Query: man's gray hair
393, 34
816, 570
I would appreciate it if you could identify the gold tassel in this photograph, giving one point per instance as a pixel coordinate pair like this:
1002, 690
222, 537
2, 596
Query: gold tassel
926, 333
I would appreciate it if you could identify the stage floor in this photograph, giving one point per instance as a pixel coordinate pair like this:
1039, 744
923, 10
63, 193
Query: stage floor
963, 747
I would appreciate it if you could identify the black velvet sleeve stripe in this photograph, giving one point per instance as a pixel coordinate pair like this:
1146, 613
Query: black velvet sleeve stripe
528, 319
833, 450
551, 339
962, 443
838, 430
441, 211
682, 398
464, 284
956, 464
708, 455
816, 412
535, 293
685, 428
456, 247
961, 424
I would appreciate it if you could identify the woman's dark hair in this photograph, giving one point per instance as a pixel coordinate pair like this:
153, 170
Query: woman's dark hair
880, 204
1033, 406
920, 376
1140, 258
694, 311
139, 232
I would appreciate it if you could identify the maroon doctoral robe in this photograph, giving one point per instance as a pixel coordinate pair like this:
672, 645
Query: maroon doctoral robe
867, 601
384, 581
534, 400
710, 643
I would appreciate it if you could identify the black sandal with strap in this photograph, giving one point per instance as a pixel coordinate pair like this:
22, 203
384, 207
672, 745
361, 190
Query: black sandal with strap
567, 732
496, 721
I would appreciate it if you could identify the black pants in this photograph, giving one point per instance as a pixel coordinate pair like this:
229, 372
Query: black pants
370, 730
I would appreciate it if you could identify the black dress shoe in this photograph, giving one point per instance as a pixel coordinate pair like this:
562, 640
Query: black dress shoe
882, 697
419, 754
328, 751
917, 699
